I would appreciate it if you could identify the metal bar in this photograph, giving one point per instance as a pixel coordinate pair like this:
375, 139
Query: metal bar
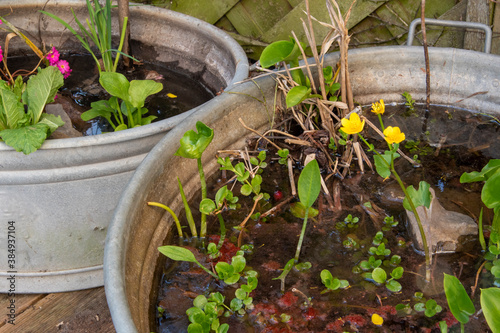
458, 24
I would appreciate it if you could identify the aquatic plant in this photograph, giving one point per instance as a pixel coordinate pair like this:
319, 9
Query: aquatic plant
459, 302
420, 304
192, 146
99, 32
23, 123
205, 313
132, 94
332, 283
26, 131
308, 187
384, 164
410, 103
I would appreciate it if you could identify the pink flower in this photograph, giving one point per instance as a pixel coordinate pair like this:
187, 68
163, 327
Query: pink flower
1, 54
53, 56
63, 66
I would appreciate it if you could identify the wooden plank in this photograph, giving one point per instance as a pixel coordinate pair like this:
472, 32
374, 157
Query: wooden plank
206, 10
295, 3
371, 32
75, 312
452, 37
22, 303
252, 18
477, 11
292, 21
397, 15
495, 43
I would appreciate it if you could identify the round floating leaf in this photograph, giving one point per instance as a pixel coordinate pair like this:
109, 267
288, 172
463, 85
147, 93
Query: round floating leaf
200, 301
394, 286
379, 275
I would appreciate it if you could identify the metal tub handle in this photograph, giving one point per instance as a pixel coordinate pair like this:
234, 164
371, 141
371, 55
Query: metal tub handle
458, 24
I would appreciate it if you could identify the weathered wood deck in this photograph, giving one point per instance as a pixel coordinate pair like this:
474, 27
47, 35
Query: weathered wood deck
76, 312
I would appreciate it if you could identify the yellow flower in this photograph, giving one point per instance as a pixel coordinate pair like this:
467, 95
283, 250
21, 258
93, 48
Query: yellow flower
378, 107
393, 135
353, 125
377, 320
171, 95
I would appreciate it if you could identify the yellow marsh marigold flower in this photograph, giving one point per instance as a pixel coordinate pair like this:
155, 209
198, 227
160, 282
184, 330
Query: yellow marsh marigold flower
378, 107
393, 135
353, 125
377, 320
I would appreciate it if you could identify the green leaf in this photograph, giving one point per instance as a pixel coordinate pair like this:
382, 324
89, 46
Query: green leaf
241, 172
383, 163
459, 301
52, 121
240, 294
490, 195
224, 328
309, 184
334, 87
299, 210
194, 144
443, 326
490, 303
11, 108
41, 90
140, 89
25, 139
221, 195
217, 297
296, 95
98, 109
488, 170
121, 127
238, 263
178, 253
379, 275
394, 286
278, 51
246, 190
224, 269
18, 88
147, 120
195, 315
303, 266
195, 328
236, 304
200, 301
327, 279
286, 270
397, 273
419, 307
207, 206
115, 84
422, 197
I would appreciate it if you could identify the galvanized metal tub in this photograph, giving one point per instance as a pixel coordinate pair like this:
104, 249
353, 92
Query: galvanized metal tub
137, 230
62, 197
